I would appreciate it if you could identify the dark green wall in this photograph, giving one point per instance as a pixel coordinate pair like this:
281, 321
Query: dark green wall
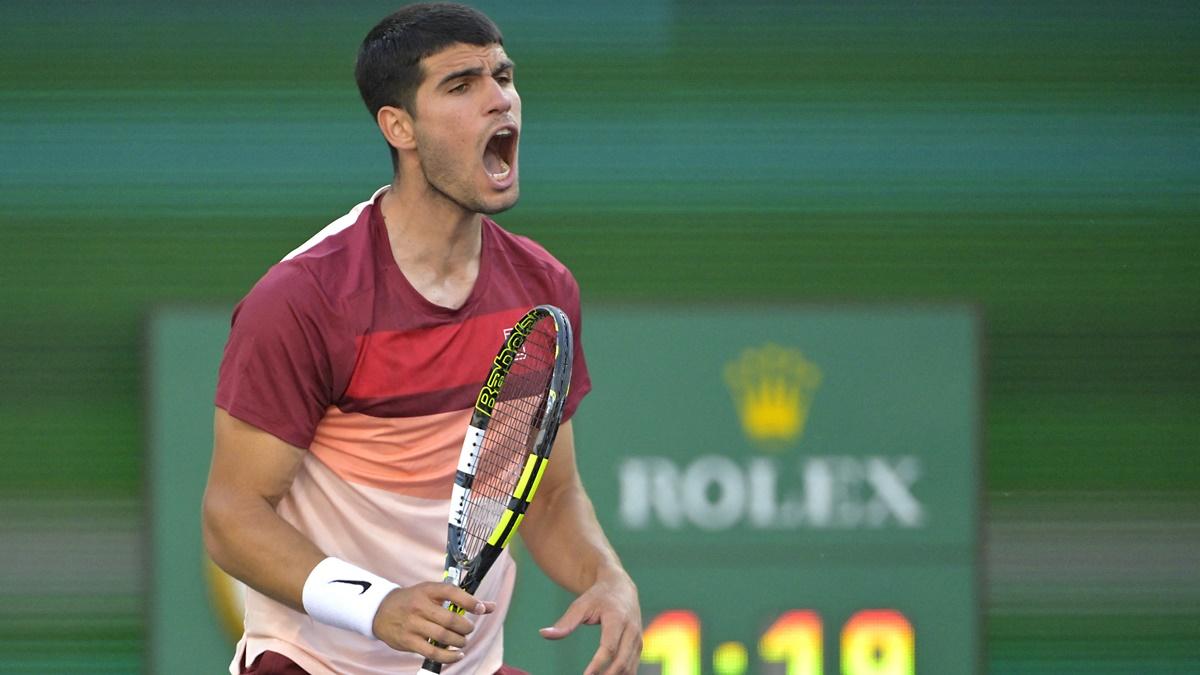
1041, 160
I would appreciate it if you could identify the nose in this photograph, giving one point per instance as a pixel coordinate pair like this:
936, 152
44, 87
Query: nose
500, 98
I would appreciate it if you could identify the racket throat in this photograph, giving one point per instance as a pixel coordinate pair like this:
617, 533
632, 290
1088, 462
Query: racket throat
472, 573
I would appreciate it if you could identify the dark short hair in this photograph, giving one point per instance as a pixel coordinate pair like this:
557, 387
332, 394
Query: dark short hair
388, 70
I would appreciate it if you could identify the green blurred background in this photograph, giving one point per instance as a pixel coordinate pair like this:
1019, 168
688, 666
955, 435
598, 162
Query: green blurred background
1041, 160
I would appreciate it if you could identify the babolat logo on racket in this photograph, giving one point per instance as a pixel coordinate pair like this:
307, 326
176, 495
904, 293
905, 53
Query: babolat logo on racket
520, 352
514, 340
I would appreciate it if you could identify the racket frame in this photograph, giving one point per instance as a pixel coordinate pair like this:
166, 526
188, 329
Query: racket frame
469, 573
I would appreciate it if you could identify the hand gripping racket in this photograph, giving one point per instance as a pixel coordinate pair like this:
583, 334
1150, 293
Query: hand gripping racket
507, 446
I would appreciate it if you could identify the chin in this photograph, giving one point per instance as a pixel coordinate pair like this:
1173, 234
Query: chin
500, 203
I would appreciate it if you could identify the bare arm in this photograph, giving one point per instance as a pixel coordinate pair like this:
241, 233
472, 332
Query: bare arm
565, 539
251, 471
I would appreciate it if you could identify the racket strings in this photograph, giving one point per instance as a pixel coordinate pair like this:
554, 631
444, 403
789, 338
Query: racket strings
511, 432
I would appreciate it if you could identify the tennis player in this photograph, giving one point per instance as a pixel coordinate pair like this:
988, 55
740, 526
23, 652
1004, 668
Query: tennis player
347, 380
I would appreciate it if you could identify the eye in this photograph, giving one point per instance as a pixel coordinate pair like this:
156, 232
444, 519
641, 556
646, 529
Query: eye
504, 78
458, 88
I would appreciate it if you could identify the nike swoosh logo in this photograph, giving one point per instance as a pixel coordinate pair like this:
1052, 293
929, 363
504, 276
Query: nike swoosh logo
365, 584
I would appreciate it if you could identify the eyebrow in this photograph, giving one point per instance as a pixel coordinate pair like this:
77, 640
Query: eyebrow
503, 66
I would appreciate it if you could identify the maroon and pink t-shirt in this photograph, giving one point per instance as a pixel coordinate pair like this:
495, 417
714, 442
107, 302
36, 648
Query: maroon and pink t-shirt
335, 352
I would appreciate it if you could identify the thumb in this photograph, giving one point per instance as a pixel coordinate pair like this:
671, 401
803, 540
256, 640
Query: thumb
566, 624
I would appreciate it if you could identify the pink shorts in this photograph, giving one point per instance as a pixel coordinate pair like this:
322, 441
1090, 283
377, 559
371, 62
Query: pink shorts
271, 663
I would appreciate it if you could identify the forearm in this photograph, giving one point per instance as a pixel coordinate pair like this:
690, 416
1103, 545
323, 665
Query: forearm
564, 537
566, 541
247, 538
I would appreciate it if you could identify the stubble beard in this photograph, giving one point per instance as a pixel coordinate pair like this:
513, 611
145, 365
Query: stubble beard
438, 171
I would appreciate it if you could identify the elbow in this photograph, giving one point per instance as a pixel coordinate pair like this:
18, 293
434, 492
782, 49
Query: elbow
215, 516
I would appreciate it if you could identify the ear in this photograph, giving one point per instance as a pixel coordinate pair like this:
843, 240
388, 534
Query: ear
397, 127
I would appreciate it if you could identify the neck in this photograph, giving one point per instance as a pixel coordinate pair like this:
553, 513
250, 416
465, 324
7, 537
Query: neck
435, 243
429, 232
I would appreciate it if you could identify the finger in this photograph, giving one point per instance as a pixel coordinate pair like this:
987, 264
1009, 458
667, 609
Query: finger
451, 621
566, 624
430, 651
461, 598
445, 637
606, 654
629, 652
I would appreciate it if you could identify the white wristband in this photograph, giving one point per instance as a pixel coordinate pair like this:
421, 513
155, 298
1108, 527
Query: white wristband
343, 595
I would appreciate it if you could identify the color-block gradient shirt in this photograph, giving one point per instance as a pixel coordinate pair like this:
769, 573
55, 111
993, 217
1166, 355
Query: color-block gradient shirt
335, 352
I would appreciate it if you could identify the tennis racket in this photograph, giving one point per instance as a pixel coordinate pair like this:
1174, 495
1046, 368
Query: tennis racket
507, 446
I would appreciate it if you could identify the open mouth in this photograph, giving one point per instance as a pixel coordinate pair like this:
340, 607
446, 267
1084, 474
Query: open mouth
498, 155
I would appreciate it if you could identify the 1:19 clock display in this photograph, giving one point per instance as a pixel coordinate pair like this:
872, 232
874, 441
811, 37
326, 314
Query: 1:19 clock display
873, 642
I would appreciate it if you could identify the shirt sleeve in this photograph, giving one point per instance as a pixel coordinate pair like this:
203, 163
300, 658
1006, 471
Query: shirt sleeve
581, 382
276, 372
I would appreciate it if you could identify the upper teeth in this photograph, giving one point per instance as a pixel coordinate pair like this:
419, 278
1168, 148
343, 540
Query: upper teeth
504, 132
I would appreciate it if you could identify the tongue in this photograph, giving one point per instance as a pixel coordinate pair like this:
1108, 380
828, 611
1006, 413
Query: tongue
492, 161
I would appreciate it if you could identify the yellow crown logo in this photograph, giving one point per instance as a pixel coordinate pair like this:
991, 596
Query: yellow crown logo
772, 387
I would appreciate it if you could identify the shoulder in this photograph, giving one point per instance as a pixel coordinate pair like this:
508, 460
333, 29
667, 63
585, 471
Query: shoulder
326, 271
287, 282
286, 297
523, 252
